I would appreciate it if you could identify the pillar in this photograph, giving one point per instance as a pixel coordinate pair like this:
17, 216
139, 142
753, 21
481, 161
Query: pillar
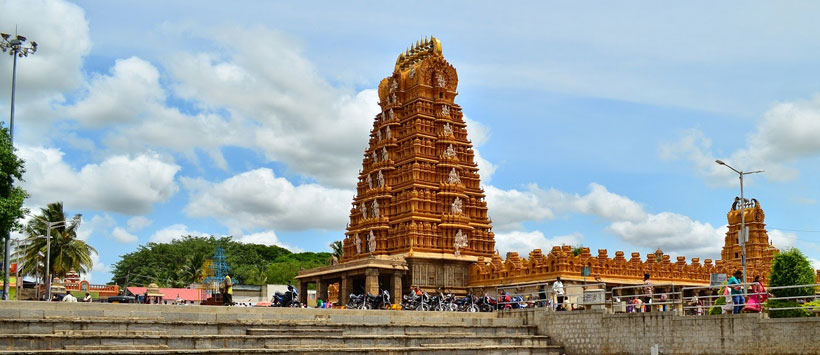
396, 292
321, 289
303, 291
371, 281
345, 288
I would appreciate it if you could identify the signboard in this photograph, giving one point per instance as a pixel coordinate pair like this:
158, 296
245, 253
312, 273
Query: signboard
717, 279
593, 297
585, 271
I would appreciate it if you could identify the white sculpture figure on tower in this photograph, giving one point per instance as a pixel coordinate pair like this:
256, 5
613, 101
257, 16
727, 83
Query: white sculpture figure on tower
412, 72
456, 207
441, 81
379, 134
393, 98
369, 182
371, 241
454, 178
450, 152
394, 85
358, 243
376, 208
385, 157
390, 113
364, 211
380, 179
460, 241
387, 132
448, 131
375, 157
445, 110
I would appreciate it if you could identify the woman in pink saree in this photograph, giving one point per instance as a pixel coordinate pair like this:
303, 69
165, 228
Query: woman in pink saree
757, 297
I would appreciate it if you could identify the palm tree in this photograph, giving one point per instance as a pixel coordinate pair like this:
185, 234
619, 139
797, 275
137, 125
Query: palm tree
336, 247
67, 252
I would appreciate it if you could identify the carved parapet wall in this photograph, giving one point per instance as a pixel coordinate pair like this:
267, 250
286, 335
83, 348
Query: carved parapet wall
561, 262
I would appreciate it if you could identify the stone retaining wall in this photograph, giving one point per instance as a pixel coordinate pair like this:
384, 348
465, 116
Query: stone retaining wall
595, 332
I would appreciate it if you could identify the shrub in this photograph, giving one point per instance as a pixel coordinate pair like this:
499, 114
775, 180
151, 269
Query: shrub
813, 308
786, 313
716, 310
790, 268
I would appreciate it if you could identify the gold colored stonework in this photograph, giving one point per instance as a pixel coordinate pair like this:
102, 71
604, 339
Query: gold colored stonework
619, 270
419, 189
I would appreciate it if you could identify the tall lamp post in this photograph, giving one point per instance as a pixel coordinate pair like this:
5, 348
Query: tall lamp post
49, 225
742, 234
14, 45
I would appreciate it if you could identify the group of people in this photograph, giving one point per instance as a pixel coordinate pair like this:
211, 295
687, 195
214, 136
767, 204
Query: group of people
736, 302
68, 297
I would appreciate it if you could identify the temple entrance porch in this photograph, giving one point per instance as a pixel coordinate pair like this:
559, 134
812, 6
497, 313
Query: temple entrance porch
369, 275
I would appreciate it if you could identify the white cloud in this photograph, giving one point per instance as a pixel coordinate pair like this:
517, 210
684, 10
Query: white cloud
62, 32
138, 223
258, 199
815, 263
510, 208
274, 93
126, 184
788, 132
121, 235
265, 238
97, 223
672, 232
97, 266
524, 242
782, 240
175, 231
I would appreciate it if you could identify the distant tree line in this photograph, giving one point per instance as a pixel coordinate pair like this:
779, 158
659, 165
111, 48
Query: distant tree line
185, 261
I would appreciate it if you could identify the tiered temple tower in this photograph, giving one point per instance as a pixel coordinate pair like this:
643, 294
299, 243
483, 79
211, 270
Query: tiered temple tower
419, 202
419, 190
759, 251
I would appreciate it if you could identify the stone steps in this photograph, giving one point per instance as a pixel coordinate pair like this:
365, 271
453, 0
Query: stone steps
62, 325
52, 341
54, 328
443, 350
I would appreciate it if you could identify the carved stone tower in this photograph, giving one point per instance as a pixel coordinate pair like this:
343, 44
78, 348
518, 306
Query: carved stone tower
759, 251
419, 193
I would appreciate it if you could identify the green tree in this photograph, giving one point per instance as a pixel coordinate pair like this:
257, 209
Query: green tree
11, 197
576, 250
67, 252
337, 249
789, 268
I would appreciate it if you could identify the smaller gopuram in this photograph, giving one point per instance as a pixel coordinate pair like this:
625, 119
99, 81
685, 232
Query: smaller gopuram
620, 270
419, 216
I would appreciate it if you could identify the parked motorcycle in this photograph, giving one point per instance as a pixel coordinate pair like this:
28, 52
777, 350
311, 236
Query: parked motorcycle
467, 304
288, 299
379, 301
356, 301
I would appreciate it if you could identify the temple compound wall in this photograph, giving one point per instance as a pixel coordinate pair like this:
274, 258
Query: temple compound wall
560, 261
596, 332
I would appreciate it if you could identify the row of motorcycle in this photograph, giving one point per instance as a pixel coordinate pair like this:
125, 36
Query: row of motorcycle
442, 302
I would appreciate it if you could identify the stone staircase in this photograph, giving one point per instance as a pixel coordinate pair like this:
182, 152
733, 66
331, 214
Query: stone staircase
55, 328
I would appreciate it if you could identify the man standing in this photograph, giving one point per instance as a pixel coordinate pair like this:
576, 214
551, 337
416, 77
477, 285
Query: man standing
227, 298
737, 292
558, 290
648, 289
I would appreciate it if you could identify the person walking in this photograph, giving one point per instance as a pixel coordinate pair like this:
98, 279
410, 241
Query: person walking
736, 292
757, 297
558, 290
648, 289
227, 297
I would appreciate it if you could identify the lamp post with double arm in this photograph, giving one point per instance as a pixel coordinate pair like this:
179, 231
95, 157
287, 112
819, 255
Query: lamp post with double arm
15, 46
742, 234
49, 225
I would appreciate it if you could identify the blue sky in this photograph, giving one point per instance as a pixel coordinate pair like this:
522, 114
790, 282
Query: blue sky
596, 123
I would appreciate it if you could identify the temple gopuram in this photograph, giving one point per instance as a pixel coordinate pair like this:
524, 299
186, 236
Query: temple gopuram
419, 217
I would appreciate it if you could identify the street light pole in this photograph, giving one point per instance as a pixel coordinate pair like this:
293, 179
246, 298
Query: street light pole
743, 235
77, 220
16, 49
